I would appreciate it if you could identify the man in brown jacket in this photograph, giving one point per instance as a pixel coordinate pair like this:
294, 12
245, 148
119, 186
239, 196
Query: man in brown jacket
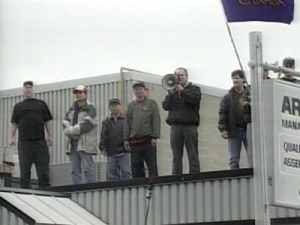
141, 131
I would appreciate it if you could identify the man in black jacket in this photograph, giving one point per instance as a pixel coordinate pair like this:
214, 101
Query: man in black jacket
112, 144
183, 104
233, 119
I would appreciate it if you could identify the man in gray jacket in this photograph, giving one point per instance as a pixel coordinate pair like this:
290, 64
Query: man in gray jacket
141, 130
112, 144
81, 132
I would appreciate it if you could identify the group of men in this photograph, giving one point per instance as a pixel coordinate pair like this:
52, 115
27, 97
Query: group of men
127, 139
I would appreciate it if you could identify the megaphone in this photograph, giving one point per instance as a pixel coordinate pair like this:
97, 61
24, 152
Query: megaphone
169, 82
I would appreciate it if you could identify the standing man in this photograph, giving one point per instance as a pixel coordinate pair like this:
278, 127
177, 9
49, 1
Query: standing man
80, 127
183, 104
141, 131
31, 117
232, 123
112, 144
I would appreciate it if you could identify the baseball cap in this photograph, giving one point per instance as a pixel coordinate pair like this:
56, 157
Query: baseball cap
139, 84
80, 88
114, 101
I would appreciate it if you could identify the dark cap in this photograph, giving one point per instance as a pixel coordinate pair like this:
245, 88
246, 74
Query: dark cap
288, 61
139, 84
28, 82
114, 101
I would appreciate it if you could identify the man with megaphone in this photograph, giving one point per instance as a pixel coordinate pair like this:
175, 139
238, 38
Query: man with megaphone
183, 105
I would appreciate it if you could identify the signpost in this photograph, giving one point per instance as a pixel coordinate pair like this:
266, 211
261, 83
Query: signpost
275, 134
287, 144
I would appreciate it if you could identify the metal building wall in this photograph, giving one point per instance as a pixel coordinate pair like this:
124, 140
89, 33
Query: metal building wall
202, 201
59, 98
198, 201
8, 218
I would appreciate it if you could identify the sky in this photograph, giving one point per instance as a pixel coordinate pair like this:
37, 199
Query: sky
55, 40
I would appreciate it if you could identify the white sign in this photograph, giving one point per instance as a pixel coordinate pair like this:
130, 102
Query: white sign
287, 144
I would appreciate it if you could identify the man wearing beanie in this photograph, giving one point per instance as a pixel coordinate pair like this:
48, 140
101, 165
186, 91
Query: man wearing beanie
81, 132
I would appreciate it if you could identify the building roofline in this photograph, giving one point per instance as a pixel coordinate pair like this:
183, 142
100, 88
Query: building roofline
204, 176
102, 79
35, 192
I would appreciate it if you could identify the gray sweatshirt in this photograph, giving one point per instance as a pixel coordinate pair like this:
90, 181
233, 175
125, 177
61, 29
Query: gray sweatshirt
142, 120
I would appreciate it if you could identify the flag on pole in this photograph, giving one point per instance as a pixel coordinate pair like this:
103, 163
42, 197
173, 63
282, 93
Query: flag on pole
277, 11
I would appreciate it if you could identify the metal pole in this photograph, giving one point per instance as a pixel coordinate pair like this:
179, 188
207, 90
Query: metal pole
262, 214
283, 70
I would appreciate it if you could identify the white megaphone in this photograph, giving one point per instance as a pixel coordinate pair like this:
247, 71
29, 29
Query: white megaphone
169, 82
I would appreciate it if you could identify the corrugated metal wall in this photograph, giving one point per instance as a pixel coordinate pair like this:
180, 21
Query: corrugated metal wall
59, 99
202, 201
206, 201
8, 218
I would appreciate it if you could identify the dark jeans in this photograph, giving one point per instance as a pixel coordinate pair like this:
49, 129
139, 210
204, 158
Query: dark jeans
143, 152
188, 136
235, 146
34, 152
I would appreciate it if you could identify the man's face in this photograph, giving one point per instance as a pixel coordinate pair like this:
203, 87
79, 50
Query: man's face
115, 108
182, 76
80, 95
28, 91
237, 81
139, 92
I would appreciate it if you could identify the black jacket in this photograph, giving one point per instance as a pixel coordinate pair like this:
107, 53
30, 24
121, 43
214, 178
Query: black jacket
111, 140
183, 110
227, 114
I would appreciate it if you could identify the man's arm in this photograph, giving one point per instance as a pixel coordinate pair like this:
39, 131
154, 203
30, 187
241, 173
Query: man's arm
11, 134
155, 121
89, 121
48, 127
13, 127
81, 127
222, 124
244, 101
167, 103
103, 138
192, 96
127, 126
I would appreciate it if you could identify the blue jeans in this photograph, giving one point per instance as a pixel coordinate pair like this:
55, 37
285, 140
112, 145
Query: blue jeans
81, 161
118, 167
235, 146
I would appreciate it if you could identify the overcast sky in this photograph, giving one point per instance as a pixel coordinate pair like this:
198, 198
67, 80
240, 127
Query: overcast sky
54, 40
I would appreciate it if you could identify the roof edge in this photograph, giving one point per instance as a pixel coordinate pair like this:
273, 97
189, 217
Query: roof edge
36, 192
212, 175
11, 208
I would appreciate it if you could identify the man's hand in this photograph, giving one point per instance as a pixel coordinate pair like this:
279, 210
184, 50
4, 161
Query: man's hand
127, 146
224, 134
179, 88
153, 143
49, 141
103, 152
11, 142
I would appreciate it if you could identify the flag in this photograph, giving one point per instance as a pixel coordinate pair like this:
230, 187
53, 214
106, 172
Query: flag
278, 11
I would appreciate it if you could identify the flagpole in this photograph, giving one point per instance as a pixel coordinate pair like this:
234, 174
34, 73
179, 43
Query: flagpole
233, 44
